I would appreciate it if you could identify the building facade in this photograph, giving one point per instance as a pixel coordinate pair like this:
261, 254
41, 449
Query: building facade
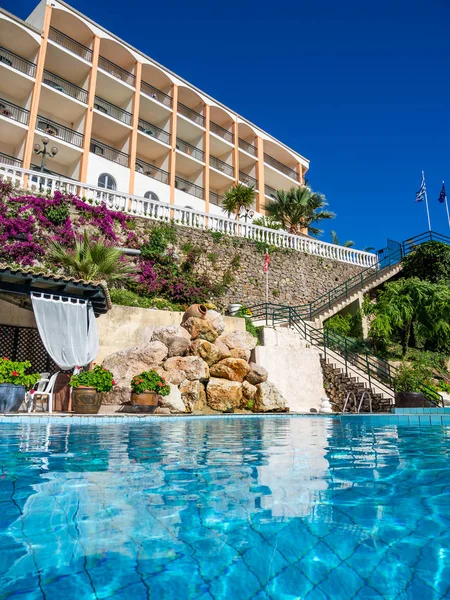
121, 121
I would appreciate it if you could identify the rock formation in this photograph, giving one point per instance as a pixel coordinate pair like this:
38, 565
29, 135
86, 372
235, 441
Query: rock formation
206, 369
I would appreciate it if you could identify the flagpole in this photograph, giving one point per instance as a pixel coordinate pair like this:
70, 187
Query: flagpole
267, 280
426, 203
446, 206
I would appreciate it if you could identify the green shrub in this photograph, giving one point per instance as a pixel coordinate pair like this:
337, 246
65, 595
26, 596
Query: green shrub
15, 372
150, 381
99, 378
160, 237
58, 215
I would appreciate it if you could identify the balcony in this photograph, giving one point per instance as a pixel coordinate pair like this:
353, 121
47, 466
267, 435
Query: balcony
109, 153
215, 199
17, 62
270, 191
151, 171
59, 131
221, 132
14, 112
106, 108
153, 131
65, 87
6, 159
116, 71
247, 180
279, 166
247, 147
191, 114
190, 150
156, 94
190, 188
221, 166
68, 43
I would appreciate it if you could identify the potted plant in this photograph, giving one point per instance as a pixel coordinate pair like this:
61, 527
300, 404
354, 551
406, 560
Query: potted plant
146, 389
14, 382
88, 387
408, 388
234, 308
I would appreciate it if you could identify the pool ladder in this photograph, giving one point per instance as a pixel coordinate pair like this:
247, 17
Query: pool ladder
365, 394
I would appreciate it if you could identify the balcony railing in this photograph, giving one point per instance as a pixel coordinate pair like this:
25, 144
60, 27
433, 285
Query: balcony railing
190, 150
276, 164
247, 147
59, 131
112, 110
221, 132
17, 62
69, 44
215, 199
153, 131
61, 85
247, 179
17, 113
222, 166
190, 188
151, 171
191, 114
116, 71
6, 159
156, 94
270, 191
109, 153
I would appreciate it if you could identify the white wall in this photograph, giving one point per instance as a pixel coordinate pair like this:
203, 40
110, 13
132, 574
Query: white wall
143, 183
183, 199
98, 165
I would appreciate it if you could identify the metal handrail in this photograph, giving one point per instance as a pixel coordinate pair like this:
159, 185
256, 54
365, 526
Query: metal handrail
70, 44
247, 147
153, 131
347, 399
116, 71
270, 191
155, 94
215, 198
221, 132
150, 170
17, 62
190, 188
190, 150
64, 86
112, 110
12, 111
247, 179
279, 166
6, 159
367, 393
109, 152
191, 114
59, 131
221, 165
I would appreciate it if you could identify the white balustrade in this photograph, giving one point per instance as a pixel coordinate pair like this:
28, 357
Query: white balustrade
162, 211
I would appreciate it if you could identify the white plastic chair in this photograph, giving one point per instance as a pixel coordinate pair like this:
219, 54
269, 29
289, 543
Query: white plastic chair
43, 390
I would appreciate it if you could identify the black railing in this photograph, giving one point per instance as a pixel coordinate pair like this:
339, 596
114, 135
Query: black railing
112, 110
247, 179
6, 159
247, 147
191, 114
12, 111
215, 199
190, 188
153, 131
279, 166
17, 62
222, 166
221, 132
59, 131
155, 94
270, 191
151, 171
70, 44
116, 71
190, 150
109, 153
64, 86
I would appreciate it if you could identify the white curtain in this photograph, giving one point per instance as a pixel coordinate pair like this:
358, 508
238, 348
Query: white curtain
67, 328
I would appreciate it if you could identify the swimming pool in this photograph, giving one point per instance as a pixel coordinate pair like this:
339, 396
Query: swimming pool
225, 508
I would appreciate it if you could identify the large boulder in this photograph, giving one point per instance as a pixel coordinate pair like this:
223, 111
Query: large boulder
223, 395
125, 364
173, 401
193, 395
119, 395
175, 337
216, 320
210, 353
268, 398
239, 343
256, 374
233, 369
200, 328
249, 390
191, 367
223, 348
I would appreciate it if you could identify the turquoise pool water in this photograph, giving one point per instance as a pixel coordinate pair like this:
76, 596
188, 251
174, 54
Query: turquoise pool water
229, 508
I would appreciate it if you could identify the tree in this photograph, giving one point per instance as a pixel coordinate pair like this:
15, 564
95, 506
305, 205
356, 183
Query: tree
92, 260
267, 222
298, 209
237, 198
429, 261
334, 240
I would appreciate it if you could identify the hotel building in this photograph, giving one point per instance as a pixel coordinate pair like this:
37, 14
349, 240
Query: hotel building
121, 121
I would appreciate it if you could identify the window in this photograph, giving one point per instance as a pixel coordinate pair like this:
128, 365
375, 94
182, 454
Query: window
107, 181
151, 196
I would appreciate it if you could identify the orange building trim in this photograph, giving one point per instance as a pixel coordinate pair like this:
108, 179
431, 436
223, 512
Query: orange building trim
236, 152
260, 168
206, 157
134, 134
89, 113
173, 152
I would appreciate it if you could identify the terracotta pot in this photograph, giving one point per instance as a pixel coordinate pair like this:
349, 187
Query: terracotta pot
86, 400
11, 397
149, 399
410, 400
196, 310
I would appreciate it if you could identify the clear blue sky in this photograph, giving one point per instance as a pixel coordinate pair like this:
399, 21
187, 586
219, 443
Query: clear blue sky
359, 87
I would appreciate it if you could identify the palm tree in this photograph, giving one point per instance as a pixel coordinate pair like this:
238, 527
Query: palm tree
298, 209
92, 260
237, 197
335, 240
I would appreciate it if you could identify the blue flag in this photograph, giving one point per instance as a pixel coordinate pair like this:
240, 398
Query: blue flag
442, 195
420, 195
